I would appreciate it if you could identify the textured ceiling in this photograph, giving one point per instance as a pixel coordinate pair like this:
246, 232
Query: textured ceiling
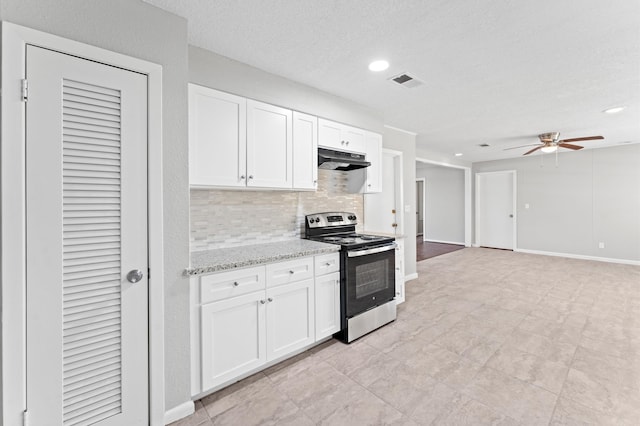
496, 72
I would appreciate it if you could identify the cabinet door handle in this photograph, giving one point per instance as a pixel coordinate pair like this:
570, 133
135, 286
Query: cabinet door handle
327, 264
242, 177
270, 299
347, 142
236, 283
250, 176
291, 272
342, 142
263, 302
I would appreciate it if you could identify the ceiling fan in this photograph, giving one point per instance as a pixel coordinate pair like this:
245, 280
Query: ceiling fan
550, 142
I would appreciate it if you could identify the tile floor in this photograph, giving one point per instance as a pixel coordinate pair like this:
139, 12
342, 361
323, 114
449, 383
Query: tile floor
486, 337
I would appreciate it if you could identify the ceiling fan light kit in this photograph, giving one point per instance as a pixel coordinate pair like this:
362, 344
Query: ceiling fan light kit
550, 142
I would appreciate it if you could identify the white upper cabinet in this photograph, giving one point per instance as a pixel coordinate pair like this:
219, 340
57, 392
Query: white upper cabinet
217, 138
305, 151
373, 150
237, 142
369, 179
269, 146
340, 136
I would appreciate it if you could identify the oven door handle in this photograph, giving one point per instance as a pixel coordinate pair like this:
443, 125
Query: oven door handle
356, 253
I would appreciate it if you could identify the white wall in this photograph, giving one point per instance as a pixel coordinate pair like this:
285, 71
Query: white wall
218, 72
444, 201
592, 196
137, 29
406, 143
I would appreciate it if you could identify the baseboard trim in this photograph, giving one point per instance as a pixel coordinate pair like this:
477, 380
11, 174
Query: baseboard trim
457, 243
411, 277
181, 411
580, 256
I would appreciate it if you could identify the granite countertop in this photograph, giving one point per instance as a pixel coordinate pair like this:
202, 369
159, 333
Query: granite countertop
206, 261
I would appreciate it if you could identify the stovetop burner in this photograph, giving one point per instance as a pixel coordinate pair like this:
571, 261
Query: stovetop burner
339, 228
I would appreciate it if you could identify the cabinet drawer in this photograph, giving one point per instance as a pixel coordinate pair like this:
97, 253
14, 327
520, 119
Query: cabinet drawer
289, 271
327, 264
230, 284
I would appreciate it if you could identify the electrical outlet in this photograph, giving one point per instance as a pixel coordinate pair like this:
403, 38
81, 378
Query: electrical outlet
600, 245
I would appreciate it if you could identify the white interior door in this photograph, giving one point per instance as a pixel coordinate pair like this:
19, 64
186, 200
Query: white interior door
86, 193
495, 209
381, 209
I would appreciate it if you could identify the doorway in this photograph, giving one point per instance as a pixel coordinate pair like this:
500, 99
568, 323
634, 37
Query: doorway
420, 188
496, 209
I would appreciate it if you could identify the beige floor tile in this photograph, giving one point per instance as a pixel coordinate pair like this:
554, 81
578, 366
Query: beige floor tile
474, 413
568, 412
524, 402
256, 404
364, 409
544, 347
530, 368
464, 343
445, 366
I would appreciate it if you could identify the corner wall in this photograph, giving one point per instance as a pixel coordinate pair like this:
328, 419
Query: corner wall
592, 196
405, 142
444, 203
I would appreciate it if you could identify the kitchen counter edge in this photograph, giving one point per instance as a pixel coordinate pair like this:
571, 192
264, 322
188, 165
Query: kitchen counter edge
226, 259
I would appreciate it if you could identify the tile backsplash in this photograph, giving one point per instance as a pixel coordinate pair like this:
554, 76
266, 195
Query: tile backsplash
224, 218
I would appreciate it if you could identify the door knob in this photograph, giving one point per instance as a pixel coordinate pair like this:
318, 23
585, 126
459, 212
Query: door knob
134, 275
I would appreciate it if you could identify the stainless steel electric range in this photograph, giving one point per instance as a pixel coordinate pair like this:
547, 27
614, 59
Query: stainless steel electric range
367, 272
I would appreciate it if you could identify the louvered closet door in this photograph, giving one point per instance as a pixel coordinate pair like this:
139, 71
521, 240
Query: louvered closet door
86, 229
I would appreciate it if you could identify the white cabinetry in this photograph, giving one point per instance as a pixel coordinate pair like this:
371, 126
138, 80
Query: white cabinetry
269, 146
244, 319
305, 151
373, 150
217, 138
399, 270
233, 338
290, 318
369, 179
237, 142
340, 136
327, 293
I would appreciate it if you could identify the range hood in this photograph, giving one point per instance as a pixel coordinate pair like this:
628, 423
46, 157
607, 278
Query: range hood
340, 160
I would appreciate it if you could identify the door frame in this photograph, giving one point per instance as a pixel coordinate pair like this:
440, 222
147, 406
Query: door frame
467, 195
422, 207
13, 213
478, 233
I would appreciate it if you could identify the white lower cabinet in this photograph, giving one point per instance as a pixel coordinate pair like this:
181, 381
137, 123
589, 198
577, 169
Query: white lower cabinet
290, 318
327, 305
244, 319
232, 337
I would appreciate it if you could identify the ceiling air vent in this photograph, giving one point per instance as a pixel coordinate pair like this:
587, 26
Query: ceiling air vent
406, 80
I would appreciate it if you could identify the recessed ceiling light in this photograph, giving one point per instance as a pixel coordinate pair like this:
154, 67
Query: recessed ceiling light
458, 154
613, 110
378, 66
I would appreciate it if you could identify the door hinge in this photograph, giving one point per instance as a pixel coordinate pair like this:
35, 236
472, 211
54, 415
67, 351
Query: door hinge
25, 90
148, 274
25, 418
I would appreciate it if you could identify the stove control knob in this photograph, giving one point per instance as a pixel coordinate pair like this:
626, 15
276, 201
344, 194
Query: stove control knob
317, 219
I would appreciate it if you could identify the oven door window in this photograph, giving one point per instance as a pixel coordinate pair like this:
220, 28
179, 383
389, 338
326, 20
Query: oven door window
370, 281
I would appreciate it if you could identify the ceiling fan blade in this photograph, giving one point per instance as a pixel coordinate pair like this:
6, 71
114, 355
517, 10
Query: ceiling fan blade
570, 146
521, 146
533, 150
586, 138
